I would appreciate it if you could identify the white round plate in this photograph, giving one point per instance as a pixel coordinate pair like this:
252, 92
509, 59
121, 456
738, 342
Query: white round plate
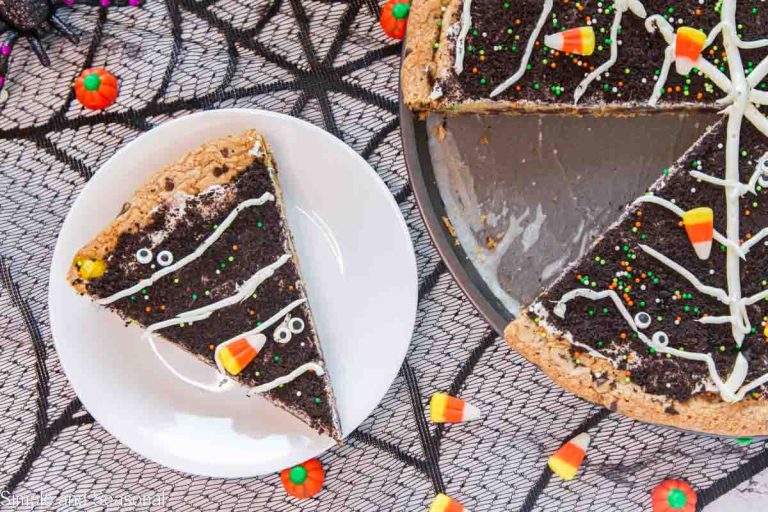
360, 270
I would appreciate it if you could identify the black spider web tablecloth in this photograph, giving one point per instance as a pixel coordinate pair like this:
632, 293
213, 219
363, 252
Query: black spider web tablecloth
327, 62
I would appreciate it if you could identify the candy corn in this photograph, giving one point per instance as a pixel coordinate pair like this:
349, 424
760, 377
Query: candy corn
238, 353
566, 461
445, 408
699, 225
688, 45
90, 269
580, 40
444, 503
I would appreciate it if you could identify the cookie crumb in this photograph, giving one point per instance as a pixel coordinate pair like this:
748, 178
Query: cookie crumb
449, 226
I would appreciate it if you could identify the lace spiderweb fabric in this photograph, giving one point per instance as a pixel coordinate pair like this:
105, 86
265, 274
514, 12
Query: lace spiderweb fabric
328, 62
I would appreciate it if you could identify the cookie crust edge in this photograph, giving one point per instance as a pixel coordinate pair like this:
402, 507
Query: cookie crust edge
550, 352
419, 66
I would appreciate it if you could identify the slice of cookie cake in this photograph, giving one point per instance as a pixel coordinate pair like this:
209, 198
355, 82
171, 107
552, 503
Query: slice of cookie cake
201, 256
664, 318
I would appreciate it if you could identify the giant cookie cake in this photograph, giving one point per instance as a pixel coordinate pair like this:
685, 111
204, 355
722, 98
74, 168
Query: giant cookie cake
201, 256
665, 316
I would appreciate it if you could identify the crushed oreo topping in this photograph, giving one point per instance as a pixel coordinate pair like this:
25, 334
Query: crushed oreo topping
644, 284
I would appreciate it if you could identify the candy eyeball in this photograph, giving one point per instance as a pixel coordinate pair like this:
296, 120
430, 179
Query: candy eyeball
282, 334
164, 258
144, 256
660, 338
296, 325
642, 320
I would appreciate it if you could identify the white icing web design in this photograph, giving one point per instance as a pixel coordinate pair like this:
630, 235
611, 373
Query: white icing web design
740, 102
620, 7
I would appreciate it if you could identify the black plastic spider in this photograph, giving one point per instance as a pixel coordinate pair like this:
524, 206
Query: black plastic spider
32, 19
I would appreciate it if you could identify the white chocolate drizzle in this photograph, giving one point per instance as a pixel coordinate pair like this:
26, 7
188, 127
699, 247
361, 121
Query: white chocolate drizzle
739, 100
545, 10
620, 7
659, 341
257, 330
285, 379
736, 187
223, 381
245, 290
679, 212
466, 23
189, 258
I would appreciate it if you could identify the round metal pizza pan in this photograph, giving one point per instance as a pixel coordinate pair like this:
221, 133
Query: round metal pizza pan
475, 176
422, 176
510, 201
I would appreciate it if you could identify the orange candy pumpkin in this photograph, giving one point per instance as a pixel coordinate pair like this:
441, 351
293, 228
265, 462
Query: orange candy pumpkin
394, 18
673, 496
304, 480
96, 88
